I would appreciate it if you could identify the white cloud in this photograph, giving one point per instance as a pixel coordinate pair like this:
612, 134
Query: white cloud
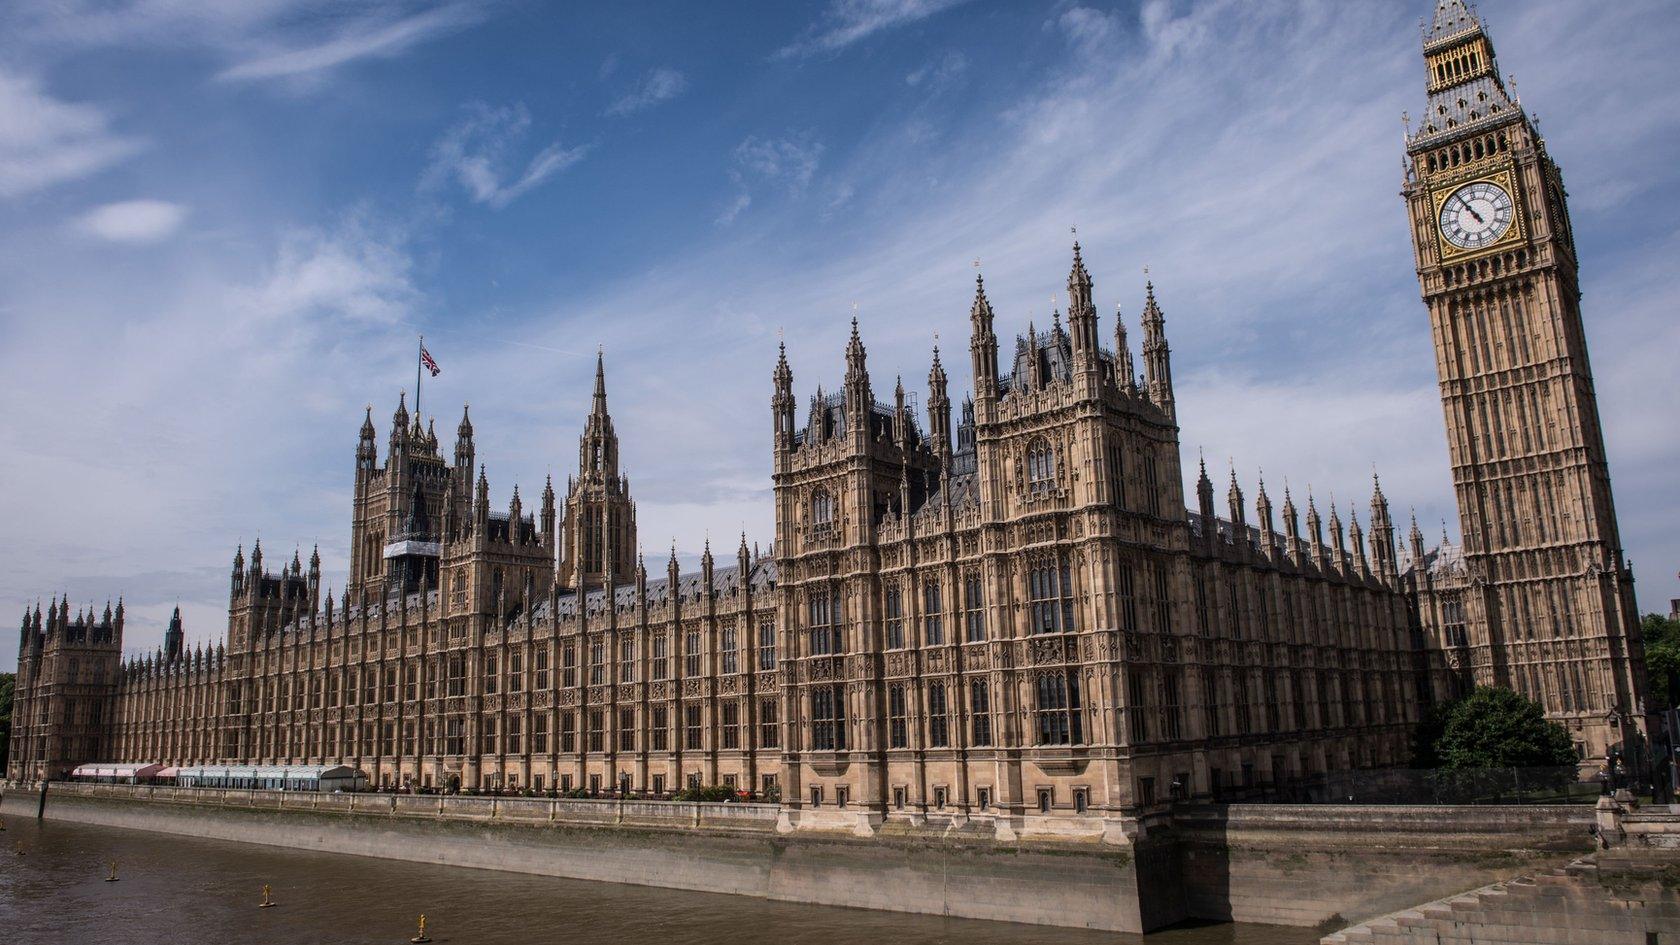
295, 41
660, 85
46, 141
939, 73
375, 37
477, 154
786, 164
329, 276
133, 221
845, 22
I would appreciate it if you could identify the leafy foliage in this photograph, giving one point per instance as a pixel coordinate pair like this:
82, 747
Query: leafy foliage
1662, 657
1498, 728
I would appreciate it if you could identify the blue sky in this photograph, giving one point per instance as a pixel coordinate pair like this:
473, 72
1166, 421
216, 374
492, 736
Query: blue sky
222, 225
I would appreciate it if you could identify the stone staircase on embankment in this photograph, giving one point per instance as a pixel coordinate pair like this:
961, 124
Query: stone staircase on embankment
1612, 898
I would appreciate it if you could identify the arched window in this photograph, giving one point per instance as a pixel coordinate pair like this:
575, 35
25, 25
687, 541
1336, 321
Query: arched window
822, 509
1041, 466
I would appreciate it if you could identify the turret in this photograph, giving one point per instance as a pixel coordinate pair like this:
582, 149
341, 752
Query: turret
172, 637
481, 505
547, 526
1415, 539
399, 426
781, 402
1291, 526
1157, 357
367, 451
1336, 538
939, 412
1356, 541
1125, 374
1382, 535
1263, 510
1234, 499
860, 398
1315, 533
982, 348
1082, 327
238, 581
1204, 504
464, 444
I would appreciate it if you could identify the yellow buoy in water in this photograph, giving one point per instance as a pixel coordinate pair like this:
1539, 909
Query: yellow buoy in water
268, 900
421, 936
113, 877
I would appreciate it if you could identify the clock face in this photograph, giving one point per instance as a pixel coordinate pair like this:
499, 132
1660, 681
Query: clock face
1476, 215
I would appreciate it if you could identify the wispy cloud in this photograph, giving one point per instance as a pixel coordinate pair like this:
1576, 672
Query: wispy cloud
378, 36
132, 221
940, 72
45, 140
299, 42
660, 85
845, 22
786, 164
478, 154
355, 271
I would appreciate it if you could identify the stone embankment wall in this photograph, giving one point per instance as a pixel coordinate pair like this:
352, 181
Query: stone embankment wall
1315, 866
1609, 899
1327, 865
723, 848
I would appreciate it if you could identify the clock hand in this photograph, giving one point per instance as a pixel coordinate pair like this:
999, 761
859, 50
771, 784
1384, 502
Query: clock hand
1466, 205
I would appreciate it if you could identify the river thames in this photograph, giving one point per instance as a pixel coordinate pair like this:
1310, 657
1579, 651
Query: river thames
174, 890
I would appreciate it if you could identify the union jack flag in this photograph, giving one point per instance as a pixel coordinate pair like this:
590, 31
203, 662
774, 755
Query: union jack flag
426, 359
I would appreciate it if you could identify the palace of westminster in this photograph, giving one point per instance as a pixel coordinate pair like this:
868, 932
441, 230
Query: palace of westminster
1007, 607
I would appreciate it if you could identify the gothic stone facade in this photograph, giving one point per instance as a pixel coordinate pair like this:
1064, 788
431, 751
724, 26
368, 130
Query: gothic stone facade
1540, 598
1011, 615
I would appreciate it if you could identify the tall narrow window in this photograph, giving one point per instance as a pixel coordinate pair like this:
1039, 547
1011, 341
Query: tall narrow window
1163, 599
1171, 709
661, 656
938, 717
898, 735
825, 635
933, 618
661, 728
626, 729
769, 726
597, 730
627, 659
1151, 485
731, 724
540, 659
1117, 476
691, 727
1058, 717
691, 654
1202, 623
822, 510
1041, 466
516, 670
1050, 595
980, 711
597, 662
1136, 710
1210, 705
767, 645
895, 616
568, 666
731, 657
974, 608
828, 718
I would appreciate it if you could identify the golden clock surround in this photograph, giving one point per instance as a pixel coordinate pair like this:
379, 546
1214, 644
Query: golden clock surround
1502, 178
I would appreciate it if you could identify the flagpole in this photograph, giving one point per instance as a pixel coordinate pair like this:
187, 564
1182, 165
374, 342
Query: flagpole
422, 347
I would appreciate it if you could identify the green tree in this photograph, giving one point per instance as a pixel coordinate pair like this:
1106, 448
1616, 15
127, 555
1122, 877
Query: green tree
1662, 657
1498, 728
7, 681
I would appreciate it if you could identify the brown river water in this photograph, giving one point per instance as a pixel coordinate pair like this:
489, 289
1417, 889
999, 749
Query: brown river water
177, 890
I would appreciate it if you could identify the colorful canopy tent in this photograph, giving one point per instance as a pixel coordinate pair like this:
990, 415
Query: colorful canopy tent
273, 777
115, 773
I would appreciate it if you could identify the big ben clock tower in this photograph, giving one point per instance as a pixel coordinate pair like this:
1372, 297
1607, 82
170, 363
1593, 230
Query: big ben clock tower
1548, 607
